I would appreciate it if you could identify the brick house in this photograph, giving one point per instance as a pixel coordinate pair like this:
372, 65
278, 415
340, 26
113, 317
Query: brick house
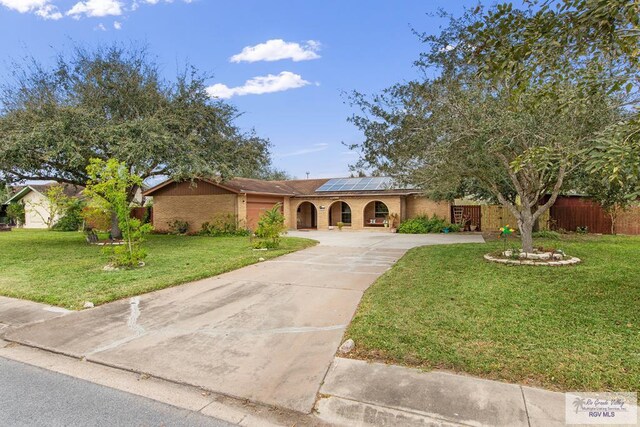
359, 203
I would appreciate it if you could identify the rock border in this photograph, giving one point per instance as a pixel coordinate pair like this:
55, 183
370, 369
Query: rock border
555, 263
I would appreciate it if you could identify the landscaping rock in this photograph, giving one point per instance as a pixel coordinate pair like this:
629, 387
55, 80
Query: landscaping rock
555, 260
88, 304
347, 346
260, 259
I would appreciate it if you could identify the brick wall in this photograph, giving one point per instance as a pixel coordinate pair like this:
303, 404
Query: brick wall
193, 209
418, 205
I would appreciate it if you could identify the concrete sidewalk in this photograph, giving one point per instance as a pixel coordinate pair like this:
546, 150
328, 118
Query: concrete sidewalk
359, 393
15, 313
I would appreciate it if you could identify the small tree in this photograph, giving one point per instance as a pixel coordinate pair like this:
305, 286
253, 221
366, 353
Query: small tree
109, 183
270, 226
15, 212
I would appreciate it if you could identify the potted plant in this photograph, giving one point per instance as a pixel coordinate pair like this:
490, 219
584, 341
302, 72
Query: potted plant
340, 224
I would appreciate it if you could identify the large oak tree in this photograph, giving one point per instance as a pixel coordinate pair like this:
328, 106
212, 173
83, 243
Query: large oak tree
112, 102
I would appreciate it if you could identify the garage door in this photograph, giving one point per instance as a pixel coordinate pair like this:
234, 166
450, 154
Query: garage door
256, 205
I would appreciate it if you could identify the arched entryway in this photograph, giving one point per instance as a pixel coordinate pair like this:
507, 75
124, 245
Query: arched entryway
339, 212
306, 216
376, 214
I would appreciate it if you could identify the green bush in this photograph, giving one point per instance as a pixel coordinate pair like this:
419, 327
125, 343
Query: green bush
453, 228
131, 253
223, 225
270, 225
547, 234
424, 225
266, 244
72, 219
15, 212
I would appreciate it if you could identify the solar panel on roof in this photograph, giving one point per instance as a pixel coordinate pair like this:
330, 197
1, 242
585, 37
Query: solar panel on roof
357, 184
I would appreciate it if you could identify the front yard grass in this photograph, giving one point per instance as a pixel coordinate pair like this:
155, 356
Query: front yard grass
564, 328
62, 269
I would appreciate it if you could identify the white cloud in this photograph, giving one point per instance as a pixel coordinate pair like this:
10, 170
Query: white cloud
277, 49
136, 3
100, 27
447, 48
258, 85
46, 9
42, 8
117, 25
313, 149
96, 8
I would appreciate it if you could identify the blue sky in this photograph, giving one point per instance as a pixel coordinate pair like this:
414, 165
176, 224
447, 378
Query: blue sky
328, 47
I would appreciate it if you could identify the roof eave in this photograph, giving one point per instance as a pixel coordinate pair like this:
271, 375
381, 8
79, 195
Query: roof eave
155, 188
267, 194
20, 194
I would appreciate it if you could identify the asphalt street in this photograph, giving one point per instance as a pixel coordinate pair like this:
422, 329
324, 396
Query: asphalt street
31, 396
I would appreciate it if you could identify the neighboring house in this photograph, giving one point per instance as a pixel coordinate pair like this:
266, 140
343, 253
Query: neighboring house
359, 203
35, 202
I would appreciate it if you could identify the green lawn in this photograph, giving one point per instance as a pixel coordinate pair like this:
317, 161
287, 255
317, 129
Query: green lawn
61, 269
564, 328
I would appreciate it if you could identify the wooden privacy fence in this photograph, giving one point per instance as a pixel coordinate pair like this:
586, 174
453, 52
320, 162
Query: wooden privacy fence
571, 212
467, 215
496, 216
142, 214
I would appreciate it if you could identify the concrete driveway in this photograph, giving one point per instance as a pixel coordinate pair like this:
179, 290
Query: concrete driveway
266, 332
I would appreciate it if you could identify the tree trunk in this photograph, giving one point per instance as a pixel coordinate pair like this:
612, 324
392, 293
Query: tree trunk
614, 216
536, 222
526, 234
116, 233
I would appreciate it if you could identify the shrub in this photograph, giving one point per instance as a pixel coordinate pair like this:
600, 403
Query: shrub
72, 219
177, 226
547, 234
454, 228
223, 225
15, 212
424, 224
582, 230
270, 225
131, 253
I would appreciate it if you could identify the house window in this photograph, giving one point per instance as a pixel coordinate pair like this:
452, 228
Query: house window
381, 210
346, 213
